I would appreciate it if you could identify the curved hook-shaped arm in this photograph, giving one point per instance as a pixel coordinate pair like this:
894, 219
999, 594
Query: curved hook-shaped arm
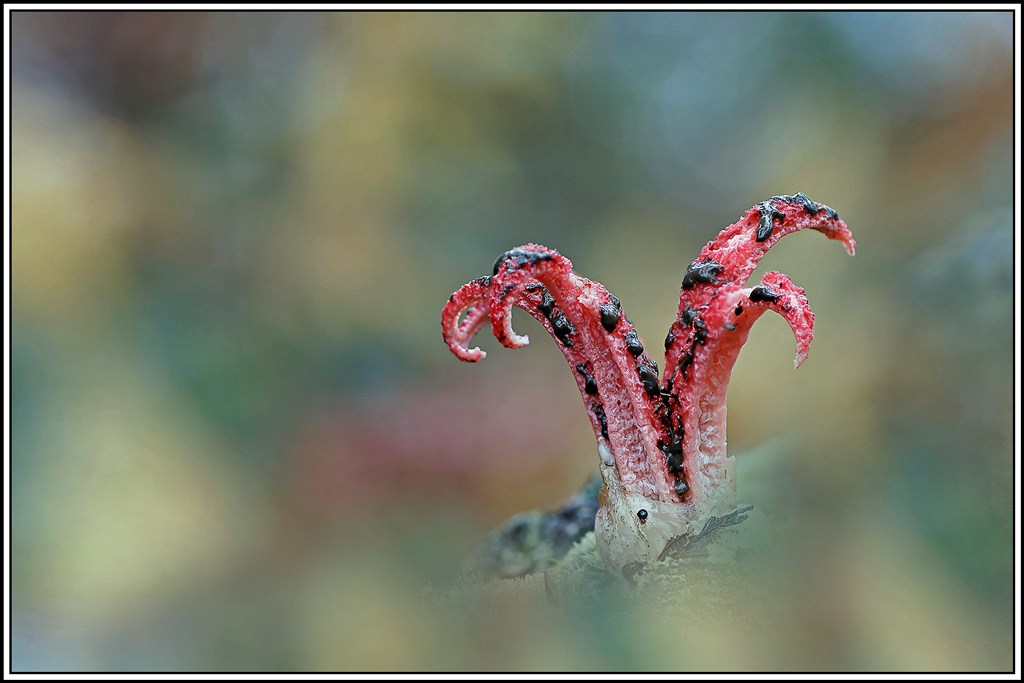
714, 319
617, 379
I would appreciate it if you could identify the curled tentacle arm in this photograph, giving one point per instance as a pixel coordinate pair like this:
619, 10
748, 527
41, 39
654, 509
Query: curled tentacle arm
716, 312
616, 377
474, 300
701, 404
740, 246
778, 293
714, 318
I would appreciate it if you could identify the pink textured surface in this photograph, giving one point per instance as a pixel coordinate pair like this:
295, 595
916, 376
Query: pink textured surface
645, 423
715, 315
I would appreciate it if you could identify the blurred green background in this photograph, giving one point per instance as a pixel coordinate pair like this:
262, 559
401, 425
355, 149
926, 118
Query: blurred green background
239, 442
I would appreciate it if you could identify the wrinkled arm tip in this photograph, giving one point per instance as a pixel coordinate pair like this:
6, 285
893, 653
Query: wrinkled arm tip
508, 338
842, 233
468, 355
512, 340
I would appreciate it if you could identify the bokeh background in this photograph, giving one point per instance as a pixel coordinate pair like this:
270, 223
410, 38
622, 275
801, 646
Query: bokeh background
239, 442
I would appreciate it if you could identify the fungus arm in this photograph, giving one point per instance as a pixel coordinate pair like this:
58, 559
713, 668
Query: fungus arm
716, 311
617, 379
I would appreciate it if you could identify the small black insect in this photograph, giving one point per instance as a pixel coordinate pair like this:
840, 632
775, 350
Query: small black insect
642, 516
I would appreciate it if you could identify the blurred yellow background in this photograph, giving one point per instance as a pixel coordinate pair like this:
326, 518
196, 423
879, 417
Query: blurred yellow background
239, 442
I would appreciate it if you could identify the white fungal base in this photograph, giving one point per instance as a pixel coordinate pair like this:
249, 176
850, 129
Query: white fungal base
622, 539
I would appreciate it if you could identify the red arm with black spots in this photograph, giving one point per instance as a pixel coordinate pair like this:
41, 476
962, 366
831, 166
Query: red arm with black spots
667, 442
618, 381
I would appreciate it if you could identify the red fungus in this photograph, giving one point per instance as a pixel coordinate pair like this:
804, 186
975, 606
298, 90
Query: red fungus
667, 440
